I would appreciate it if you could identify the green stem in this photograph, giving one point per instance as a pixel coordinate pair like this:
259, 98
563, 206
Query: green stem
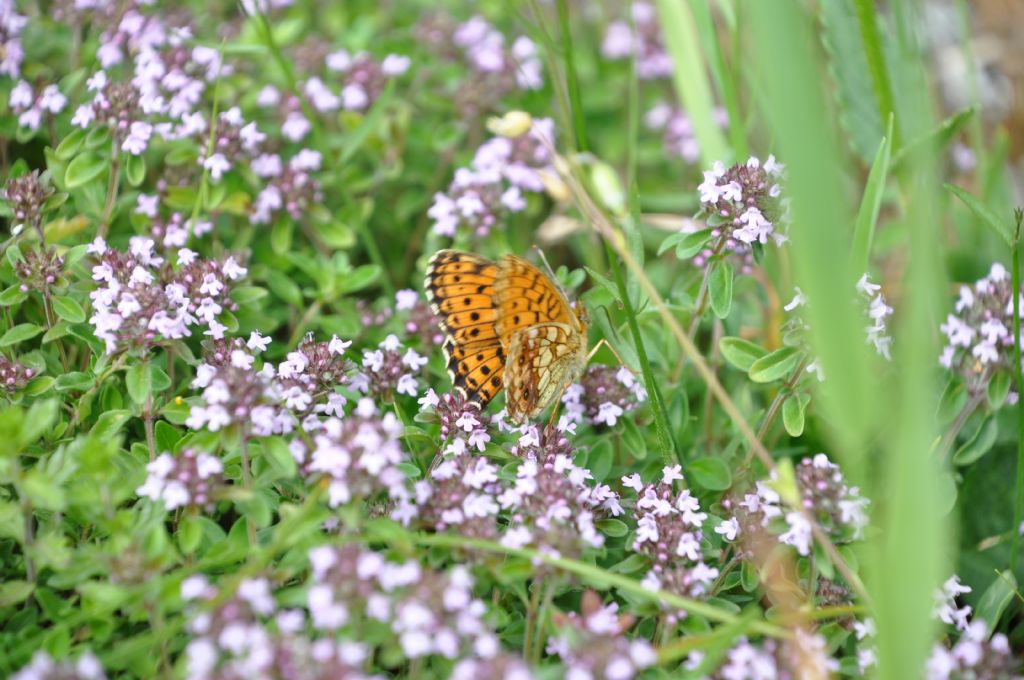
595, 574
1018, 505
532, 612
872, 40
668, 446
542, 617
572, 83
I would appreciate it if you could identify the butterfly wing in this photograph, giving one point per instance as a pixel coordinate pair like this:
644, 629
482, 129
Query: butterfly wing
460, 288
524, 296
542, 360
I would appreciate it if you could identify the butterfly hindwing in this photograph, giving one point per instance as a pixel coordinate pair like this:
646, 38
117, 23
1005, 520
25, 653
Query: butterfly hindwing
542, 361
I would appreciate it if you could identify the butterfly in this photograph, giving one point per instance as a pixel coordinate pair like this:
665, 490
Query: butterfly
506, 324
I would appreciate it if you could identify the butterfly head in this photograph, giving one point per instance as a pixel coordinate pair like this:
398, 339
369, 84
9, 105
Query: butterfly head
580, 310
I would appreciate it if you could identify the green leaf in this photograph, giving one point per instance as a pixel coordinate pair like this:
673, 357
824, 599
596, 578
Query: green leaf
871, 203
979, 444
936, 139
711, 473
739, 352
42, 491
748, 576
612, 527
135, 170
14, 255
40, 385
359, 278
953, 398
776, 365
793, 413
110, 423
995, 599
720, 288
68, 308
70, 145
20, 333
39, 420
83, 169
14, 592
59, 330
12, 295
190, 533
245, 295
75, 380
848, 65
166, 436
984, 213
139, 382
687, 244
998, 388
284, 287
281, 236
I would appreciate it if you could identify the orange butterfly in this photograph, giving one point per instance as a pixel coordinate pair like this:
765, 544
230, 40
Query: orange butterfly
506, 323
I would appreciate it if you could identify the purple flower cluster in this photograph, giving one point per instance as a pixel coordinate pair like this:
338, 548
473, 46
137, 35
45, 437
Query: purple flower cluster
31, 106
678, 137
504, 169
269, 400
26, 196
645, 44
670, 534
13, 374
805, 655
428, 612
875, 311
551, 505
461, 494
43, 667
593, 644
824, 496
186, 480
603, 395
11, 51
744, 204
40, 269
976, 656
463, 427
290, 187
143, 300
358, 457
980, 331
420, 319
363, 80
388, 370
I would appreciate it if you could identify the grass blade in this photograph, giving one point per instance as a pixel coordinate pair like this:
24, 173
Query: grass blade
690, 78
867, 216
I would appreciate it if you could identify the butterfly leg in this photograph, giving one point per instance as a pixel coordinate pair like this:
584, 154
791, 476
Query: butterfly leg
607, 344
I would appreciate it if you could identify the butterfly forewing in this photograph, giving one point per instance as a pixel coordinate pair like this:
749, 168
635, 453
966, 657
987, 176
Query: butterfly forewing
460, 288
525, 297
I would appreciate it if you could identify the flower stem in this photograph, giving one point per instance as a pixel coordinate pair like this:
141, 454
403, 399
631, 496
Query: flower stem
250, 525
531, 618
949, 439
112, 183
1018, 374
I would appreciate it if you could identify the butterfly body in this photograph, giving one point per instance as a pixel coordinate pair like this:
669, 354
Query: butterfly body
506, 325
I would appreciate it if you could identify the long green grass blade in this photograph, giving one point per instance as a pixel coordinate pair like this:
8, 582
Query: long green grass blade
871, 203
691, 79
